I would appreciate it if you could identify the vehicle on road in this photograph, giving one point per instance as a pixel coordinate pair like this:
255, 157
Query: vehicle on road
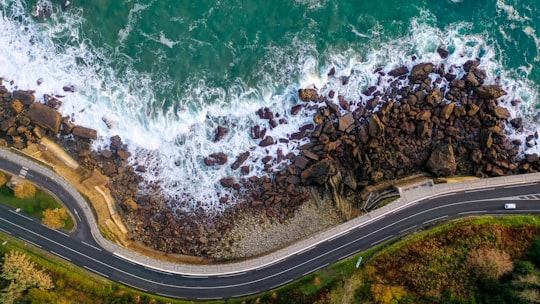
509, 206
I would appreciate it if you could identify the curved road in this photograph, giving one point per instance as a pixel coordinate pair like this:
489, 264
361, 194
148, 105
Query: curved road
80, 247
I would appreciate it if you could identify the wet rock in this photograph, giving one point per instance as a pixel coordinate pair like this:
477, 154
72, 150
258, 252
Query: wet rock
296, 109
216, 159
376, 127
45, 117
420, 71
501, 112
308, 94
227, 182
443, 52
84, 132
402, 70
240, 160
220, 133
442, 161
26, 97
267, 141
489, 92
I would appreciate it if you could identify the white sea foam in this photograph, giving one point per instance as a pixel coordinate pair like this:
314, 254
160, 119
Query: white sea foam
173, 140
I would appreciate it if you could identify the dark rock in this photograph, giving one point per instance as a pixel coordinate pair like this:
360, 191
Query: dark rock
308, 94
420, 71
26, 97
489, 92
296, 109
220, 133
318, 173
402, 70
84, 132
443, 52
227, 182
301, 162
267, 141
216, 159
470, 65
442, 161
240, 160
45, 117
517, 123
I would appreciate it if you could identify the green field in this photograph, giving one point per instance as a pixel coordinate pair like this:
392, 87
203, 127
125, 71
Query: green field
33, 206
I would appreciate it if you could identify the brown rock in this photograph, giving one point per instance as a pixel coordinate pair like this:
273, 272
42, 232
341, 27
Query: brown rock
216, 159
308, 94
420, 71
45, 117
447, 110
84, 132
490, 91
300, 161
267, 141
376, 127
220, 133
124, 155
517, 123
501, 112
402, 70
318, 173
240, 160
296, 109
434, 97
345, 122
459, 111
26, 97
17, 106
227, 182
130, 205
425, 115
256, 203
473, 109
442, 161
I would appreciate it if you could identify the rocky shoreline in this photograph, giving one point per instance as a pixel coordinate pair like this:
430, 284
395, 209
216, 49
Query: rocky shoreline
425, 120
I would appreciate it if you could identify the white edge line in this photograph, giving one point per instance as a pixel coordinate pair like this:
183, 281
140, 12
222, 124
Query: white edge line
479, 190
5, 231
93, 270
472, 212
435, 219
407, 229
232, 274
58, 254
19, 214
30, 242
382, 240
515, 186
90, 245
132, 286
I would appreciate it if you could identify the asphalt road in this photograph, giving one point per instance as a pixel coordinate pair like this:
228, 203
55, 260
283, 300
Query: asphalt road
80, 248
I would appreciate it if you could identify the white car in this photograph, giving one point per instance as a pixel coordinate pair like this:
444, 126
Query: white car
509, 206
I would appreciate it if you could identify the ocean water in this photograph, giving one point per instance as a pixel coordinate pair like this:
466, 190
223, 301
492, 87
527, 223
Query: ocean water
164, 74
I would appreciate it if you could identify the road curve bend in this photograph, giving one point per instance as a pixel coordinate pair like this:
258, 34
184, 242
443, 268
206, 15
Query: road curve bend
418, 206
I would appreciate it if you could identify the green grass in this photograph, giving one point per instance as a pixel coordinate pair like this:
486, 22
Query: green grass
33, 206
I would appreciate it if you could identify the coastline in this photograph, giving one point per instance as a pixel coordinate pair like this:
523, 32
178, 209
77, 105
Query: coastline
427, 121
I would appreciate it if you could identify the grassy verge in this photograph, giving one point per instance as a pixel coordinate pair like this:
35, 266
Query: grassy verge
72, 282
33, 206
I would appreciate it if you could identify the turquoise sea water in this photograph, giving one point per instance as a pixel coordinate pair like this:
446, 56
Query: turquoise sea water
164, 74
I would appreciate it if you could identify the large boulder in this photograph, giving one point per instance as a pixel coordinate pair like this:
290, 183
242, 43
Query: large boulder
84, 132
420, 71
308, 94
216, 159
319, 172
26, 97
45, 117
240, 160
490, 92
442, 161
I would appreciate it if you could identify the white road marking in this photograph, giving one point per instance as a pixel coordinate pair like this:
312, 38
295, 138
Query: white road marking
63, 233
30, 242
194, 276
520, 185
89, 245
19, 214
231, 275
93, 270
435, 219
5, 231
122, 282
58, 254
158, 270
479, 190
471, 212
407, 229
382, 240
77, 214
